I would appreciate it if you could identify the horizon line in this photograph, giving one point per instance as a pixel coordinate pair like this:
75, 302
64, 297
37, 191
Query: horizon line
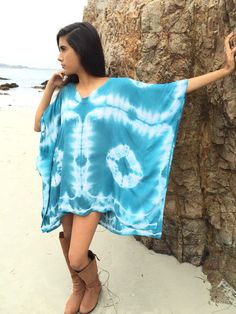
24, 66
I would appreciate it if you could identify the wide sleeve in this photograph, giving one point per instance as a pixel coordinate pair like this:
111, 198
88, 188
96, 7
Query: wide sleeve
50, 126
167, 104
154, 113
170, 100
170, 105
164, 104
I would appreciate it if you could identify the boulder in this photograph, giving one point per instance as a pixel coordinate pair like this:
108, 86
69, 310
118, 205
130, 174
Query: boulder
41, 86
7, 86
163, 41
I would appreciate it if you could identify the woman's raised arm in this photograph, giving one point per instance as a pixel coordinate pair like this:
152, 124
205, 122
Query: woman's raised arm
56, 81
203, 80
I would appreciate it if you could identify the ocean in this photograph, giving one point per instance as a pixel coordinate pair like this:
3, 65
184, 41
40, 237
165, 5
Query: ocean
24, 95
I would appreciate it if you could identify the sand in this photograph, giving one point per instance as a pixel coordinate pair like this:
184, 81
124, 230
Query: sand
34, 278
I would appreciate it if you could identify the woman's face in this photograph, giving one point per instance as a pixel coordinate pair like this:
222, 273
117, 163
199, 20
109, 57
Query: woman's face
68, 57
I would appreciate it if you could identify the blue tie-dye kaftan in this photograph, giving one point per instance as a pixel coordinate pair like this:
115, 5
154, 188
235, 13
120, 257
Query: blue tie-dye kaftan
110, 152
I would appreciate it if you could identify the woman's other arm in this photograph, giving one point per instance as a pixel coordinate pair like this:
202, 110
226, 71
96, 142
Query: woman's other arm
56, 81
203, 80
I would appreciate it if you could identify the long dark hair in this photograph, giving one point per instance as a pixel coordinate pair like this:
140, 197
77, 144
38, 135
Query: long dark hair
84, 39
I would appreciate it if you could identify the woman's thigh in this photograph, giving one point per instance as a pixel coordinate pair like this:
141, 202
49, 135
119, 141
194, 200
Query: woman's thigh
67, 222
83, 230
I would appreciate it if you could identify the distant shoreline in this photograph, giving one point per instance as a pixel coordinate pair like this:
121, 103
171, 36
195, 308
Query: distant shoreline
3, 65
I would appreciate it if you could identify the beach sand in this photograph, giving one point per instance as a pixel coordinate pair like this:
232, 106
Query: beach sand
34, 277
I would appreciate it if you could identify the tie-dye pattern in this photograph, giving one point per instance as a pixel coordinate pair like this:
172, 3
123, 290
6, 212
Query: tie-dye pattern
110, 152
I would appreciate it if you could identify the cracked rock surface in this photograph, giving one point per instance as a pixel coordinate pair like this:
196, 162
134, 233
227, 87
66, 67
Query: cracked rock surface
163, 41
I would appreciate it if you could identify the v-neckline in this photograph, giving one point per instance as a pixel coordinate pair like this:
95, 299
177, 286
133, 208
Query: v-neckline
92, 92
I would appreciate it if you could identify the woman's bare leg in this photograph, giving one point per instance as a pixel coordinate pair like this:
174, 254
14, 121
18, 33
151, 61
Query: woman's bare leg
83, 229
75, 299
67, 222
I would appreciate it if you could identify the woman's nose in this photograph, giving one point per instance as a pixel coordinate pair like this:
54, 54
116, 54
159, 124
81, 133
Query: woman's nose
59, 58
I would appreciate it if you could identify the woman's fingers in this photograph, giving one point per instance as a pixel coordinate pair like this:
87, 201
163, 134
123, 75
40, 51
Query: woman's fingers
229, 52
61, 73
227, 39
230, 43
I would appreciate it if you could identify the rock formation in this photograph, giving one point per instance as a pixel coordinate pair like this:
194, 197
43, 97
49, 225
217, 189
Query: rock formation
41, 86
3, 79
7, 86
163, 41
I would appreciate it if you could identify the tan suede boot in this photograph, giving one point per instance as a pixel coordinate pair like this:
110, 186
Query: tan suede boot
93, 286
74, 301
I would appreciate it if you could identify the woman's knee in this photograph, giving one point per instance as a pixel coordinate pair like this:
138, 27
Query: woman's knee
67, 235
78, 260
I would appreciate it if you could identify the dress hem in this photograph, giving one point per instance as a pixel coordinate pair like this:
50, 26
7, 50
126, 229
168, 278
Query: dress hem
135, 232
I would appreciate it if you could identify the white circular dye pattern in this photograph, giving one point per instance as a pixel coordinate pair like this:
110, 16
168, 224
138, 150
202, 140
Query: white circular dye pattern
135, 175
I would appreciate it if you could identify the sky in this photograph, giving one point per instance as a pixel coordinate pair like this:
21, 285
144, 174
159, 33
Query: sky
28, 30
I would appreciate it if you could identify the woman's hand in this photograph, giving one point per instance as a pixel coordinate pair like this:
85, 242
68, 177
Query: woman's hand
57, 80
229, 54
203, 80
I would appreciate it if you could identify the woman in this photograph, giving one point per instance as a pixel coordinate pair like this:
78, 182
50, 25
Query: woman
106, 149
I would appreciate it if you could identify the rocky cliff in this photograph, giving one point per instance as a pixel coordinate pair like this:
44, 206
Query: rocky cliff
162, 41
